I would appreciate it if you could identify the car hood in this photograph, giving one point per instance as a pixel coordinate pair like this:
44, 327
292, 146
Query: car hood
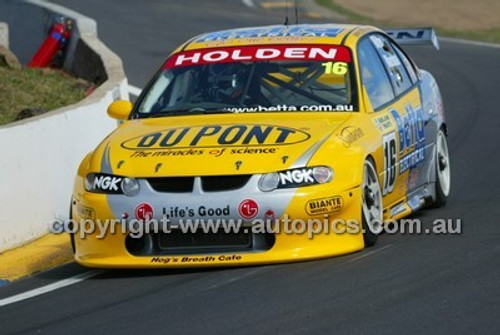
222, 144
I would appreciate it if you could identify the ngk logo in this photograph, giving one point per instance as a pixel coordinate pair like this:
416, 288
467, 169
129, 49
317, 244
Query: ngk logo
107, 183
298, 176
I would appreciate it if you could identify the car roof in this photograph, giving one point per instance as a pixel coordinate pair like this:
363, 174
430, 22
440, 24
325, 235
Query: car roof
275, 34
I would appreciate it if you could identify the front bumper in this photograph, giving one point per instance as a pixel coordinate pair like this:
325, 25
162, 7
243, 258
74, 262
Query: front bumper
112, 251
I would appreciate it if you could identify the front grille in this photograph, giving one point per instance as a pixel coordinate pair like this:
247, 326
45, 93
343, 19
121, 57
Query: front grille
224, 183
208, 183
199, 240
172, 184
178, 243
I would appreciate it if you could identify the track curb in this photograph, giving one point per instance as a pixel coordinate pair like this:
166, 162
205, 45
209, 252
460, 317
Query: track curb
45, 253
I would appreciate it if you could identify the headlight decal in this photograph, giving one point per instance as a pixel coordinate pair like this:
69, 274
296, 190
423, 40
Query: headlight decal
293, 178
111, 184
103, 183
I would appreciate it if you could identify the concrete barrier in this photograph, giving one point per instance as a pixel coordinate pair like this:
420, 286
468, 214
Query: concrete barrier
40, 155
4, 34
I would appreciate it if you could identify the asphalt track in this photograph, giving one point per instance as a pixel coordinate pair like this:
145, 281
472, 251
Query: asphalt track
406, 284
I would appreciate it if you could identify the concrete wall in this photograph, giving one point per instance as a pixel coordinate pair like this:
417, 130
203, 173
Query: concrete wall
4, 34
40, 155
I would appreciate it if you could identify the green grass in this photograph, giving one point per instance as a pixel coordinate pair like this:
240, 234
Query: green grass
35, 88
489, 35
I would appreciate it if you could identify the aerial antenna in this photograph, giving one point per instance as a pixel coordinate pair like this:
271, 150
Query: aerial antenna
296, 13
286, 12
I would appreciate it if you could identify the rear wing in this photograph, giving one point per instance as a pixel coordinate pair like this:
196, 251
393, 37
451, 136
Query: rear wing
414, 36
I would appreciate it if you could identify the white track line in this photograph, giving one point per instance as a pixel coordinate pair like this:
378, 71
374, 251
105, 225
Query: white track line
248, 3
134, 90
371, 253
49, 288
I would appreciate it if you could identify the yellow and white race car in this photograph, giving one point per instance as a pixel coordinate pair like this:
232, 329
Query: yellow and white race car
261, 145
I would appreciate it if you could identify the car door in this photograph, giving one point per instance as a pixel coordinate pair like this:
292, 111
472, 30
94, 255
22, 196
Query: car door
407, 113
395, 98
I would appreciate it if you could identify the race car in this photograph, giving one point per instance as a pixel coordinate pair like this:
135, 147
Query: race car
329, 126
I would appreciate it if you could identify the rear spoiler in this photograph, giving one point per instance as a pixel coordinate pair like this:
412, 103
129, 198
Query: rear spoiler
414, 36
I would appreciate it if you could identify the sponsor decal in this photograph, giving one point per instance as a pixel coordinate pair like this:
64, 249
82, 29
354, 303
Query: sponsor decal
287, 108
234, 54
383, 123
166, 153
191, 139
324, 205
349, 135
211, 152
296, 177
390, 160
405, 151
411, 133
248, 209
85, 212
410, 34
107, 183
144, 212
410, 127
411, 160
200, 211
276, 31
194, 259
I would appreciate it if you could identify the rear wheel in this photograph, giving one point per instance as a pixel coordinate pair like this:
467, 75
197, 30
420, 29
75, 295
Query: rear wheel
371, 204
443, 171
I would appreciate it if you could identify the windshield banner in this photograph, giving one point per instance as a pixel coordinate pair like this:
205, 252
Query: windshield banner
260, 53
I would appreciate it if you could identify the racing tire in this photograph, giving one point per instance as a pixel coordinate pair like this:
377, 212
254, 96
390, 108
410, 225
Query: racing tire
443, 171
372, 206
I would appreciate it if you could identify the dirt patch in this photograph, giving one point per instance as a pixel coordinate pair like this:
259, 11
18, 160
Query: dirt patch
445, 14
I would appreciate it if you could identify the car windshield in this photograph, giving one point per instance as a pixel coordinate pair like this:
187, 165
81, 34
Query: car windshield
252, 79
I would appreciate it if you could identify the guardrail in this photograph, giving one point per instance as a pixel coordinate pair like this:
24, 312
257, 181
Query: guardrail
39, 156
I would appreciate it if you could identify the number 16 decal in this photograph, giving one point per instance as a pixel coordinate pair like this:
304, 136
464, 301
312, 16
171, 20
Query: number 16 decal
389, 141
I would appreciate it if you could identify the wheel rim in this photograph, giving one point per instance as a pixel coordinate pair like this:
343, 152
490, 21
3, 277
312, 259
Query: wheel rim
443, 164
372, 199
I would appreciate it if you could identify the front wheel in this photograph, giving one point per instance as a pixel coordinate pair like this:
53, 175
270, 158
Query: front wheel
372, 208
443, 171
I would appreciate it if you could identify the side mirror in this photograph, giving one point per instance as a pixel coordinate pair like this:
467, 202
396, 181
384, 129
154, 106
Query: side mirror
120, 109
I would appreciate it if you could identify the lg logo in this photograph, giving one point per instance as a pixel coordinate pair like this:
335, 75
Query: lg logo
144, 212
248, 209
